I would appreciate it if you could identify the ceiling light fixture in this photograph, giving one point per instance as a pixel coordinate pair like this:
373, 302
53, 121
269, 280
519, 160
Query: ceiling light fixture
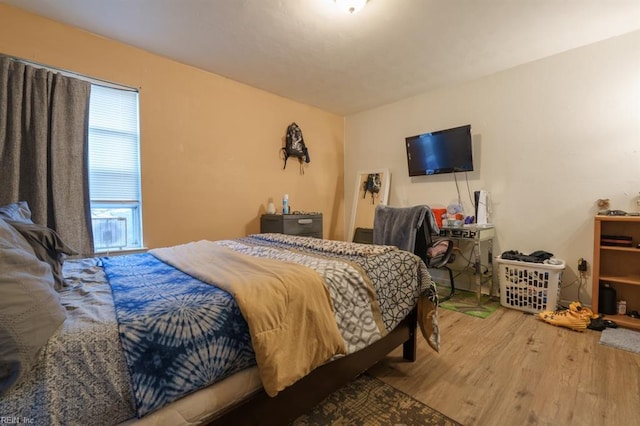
351, 6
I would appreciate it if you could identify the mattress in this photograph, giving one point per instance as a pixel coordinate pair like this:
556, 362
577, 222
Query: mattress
82, 376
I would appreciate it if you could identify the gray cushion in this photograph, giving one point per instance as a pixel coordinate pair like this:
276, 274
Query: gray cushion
47, 246
19, 212
30, 309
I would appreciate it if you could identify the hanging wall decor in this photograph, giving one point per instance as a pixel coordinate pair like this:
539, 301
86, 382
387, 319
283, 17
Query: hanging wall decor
372, 185
295, 146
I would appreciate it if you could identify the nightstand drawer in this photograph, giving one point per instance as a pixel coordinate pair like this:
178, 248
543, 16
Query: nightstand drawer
309, 225
303, 225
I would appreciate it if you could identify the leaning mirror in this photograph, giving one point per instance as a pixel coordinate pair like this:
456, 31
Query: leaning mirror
372, 188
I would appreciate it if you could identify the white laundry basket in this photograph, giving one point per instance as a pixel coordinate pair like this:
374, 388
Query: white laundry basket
530, 287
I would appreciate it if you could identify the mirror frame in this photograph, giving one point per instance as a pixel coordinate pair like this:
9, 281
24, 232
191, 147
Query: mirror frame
383, 196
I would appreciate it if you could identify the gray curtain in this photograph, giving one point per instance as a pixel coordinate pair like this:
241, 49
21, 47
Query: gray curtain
44, 121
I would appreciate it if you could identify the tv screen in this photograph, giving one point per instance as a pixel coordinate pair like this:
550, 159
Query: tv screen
444, 151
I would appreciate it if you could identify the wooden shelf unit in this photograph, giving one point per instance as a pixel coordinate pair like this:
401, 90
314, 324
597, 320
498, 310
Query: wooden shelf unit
618, 266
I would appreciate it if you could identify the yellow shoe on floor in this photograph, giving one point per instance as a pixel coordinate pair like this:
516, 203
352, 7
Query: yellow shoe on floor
565, 318
575, 306
585, 312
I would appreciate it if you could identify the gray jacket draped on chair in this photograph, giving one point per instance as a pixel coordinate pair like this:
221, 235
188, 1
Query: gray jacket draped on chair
398, 226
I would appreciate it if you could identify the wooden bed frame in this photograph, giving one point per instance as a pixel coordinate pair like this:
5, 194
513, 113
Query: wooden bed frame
260, 409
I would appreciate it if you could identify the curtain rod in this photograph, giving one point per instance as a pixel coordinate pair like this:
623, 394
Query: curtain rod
92, 80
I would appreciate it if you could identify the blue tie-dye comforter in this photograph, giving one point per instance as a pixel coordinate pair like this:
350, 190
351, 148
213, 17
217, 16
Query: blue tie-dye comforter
178, 333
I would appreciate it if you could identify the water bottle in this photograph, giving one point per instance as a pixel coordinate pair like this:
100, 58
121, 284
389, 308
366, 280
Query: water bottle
285, 204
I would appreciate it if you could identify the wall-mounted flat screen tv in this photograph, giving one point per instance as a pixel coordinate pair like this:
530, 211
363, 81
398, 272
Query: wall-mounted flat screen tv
443, 151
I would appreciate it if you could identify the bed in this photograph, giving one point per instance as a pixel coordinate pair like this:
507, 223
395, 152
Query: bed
173, 336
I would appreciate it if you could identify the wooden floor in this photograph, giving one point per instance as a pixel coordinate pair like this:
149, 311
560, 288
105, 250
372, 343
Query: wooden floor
512, 369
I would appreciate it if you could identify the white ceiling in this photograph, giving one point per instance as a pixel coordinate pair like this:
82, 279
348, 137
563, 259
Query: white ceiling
308, 51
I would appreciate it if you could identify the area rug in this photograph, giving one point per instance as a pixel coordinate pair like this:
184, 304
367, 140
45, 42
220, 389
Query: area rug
467, 303
621, 338
370, 401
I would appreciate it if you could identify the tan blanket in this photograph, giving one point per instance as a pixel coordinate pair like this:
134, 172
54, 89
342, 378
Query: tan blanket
287, 308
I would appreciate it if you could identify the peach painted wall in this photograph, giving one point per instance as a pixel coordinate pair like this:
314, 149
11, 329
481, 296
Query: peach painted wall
209, 145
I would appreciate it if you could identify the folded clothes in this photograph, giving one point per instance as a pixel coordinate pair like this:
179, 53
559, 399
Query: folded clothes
538, 256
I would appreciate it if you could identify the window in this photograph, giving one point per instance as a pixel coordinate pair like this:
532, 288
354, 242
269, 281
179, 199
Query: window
114, 169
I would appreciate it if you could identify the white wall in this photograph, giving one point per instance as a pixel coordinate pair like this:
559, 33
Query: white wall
550, 138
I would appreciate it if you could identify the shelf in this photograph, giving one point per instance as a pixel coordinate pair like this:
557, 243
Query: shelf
617, 265
618, 218
621, 279
614, 248
624, 321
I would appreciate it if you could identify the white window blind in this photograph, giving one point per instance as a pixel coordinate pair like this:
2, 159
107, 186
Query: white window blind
114, 153
114, 169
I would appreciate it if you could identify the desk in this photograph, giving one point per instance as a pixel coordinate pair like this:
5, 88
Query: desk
477, 234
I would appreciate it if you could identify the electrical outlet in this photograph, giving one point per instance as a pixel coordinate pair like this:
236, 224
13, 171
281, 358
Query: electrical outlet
582, 265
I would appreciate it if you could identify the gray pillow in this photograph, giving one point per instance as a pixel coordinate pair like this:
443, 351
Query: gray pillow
47, 246
30, 309
19, 212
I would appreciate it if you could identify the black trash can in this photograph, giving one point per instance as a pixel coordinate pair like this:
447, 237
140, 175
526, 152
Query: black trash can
607, 300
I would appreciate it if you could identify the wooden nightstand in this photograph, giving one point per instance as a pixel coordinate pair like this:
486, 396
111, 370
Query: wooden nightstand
308, 225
